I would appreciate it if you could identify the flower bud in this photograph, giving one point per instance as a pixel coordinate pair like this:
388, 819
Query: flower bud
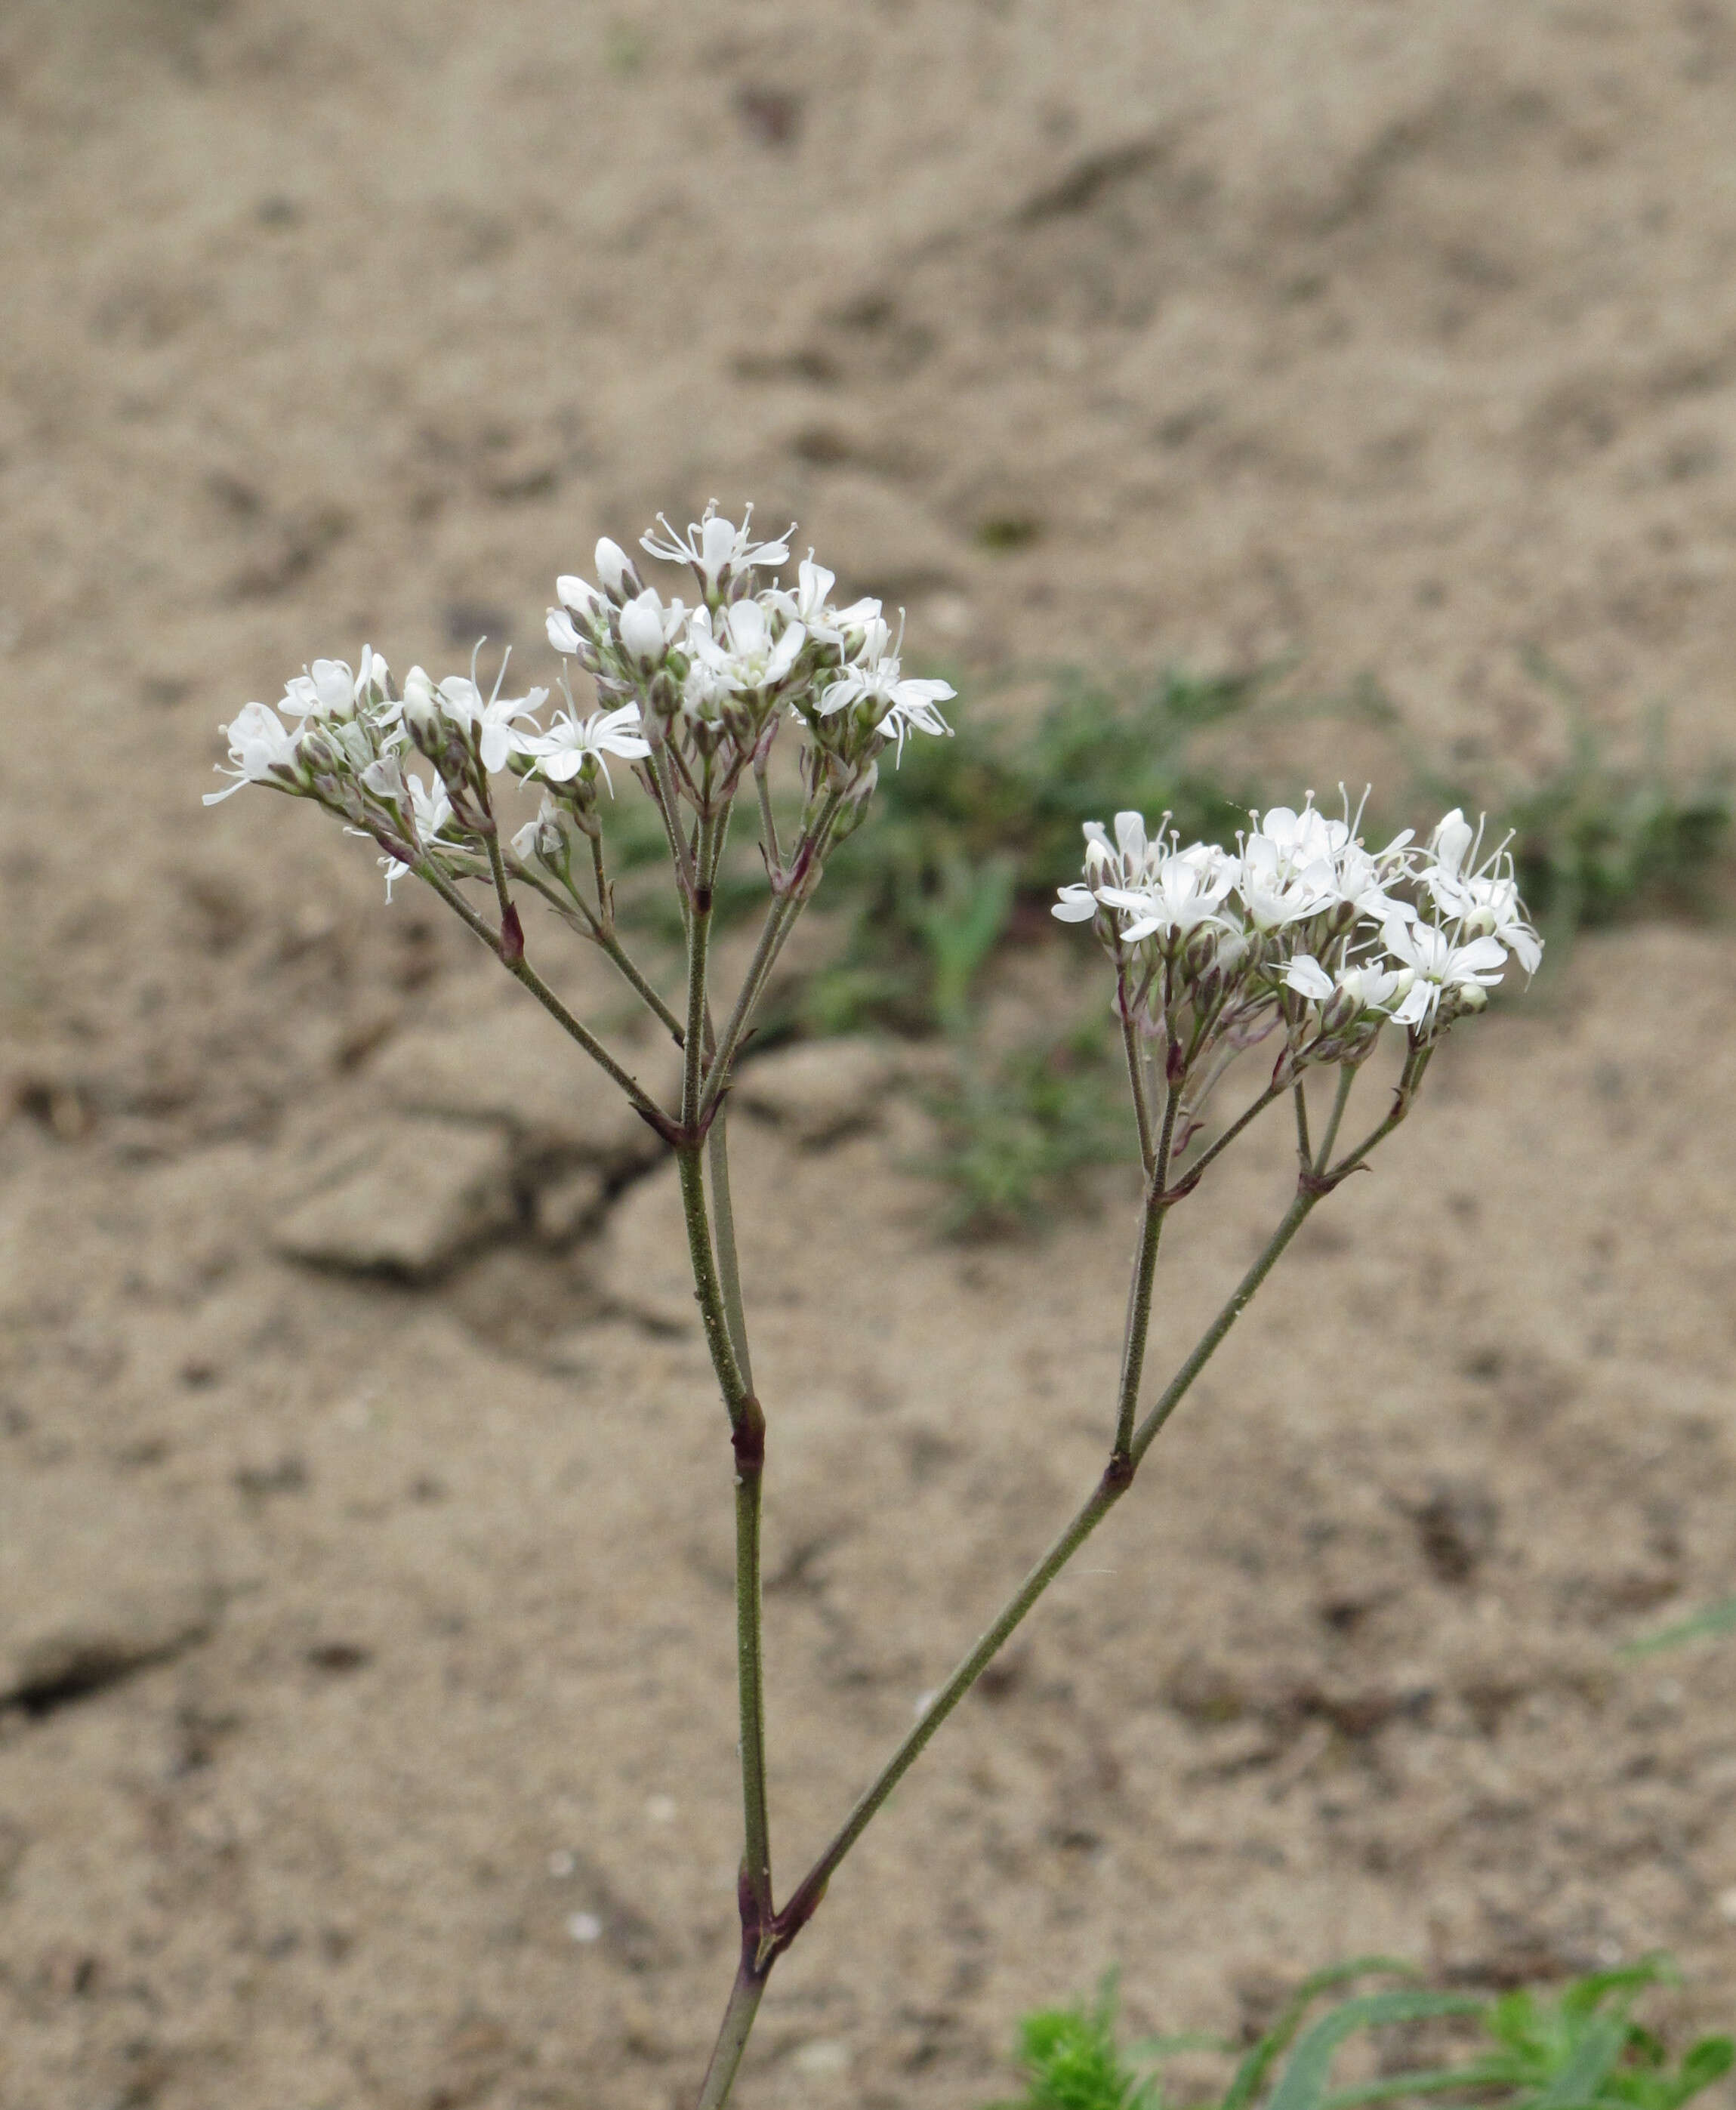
641, 628
615, 573
421, 712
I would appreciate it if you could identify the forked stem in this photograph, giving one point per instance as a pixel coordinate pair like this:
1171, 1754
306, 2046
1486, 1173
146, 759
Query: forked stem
805, 1899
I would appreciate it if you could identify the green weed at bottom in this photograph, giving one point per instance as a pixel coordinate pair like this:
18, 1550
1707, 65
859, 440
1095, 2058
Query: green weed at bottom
1577, 2049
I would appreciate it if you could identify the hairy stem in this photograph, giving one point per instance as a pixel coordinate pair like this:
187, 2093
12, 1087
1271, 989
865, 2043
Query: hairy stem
779, 920
745, 1996
806, 1898
522, 970
1137, 1080
1212, 1339
1158, 1205
723, 1222
573, 910
1191, 1179
1340, 1100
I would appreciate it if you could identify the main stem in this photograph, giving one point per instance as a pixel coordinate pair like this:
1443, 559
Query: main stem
720, 1308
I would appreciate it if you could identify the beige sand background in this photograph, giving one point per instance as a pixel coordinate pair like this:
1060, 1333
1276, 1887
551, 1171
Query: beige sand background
1400, 340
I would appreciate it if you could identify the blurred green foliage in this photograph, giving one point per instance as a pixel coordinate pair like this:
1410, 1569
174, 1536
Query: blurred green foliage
1576, 2049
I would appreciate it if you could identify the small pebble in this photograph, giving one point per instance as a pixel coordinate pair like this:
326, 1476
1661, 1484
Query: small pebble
585, 1927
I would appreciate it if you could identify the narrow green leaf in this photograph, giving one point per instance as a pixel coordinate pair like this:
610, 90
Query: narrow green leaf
1277, 2040
1719, 1619
1440, 2080
1590, 2063
1303, 2085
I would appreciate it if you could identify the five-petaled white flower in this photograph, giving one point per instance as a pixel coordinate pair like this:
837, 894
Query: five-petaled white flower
741, 649
714, 546
494, 723
1368, 986
562, 751
875, 677
1275, 890
1440, 966
1174, 901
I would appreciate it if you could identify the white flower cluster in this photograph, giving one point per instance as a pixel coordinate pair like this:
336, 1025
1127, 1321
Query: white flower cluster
712, 682
704, 686
1302, 927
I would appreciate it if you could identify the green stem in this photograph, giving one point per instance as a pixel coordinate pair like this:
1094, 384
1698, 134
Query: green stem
1341, 1099
1137, 1080
522, 970
1212, 1338
1158, 1205
1411, 1077
750, 1679
745, 1996
1191, 1179
698, 947
601, 934
806, 1898
768, 823
669, 809
723, 1219
1304, 1151
779, 920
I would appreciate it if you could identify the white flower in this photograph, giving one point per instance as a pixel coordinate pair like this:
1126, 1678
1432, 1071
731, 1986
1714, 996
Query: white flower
562, 751
562, 634
713, 546
1440, 967
1485, 901
1174, 901
1369, 987
1308, 978
1294, 858
1132, 859
496, 734
1273, 891
492, 723
262, 749
374, 674
875, 677
1077, 904
810, 605
1304, 838
327, 689
743, 653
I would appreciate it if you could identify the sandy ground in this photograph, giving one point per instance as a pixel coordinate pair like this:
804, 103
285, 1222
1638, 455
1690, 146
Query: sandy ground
1398, 341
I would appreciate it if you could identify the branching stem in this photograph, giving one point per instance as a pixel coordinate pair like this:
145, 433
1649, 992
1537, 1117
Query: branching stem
522, 970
